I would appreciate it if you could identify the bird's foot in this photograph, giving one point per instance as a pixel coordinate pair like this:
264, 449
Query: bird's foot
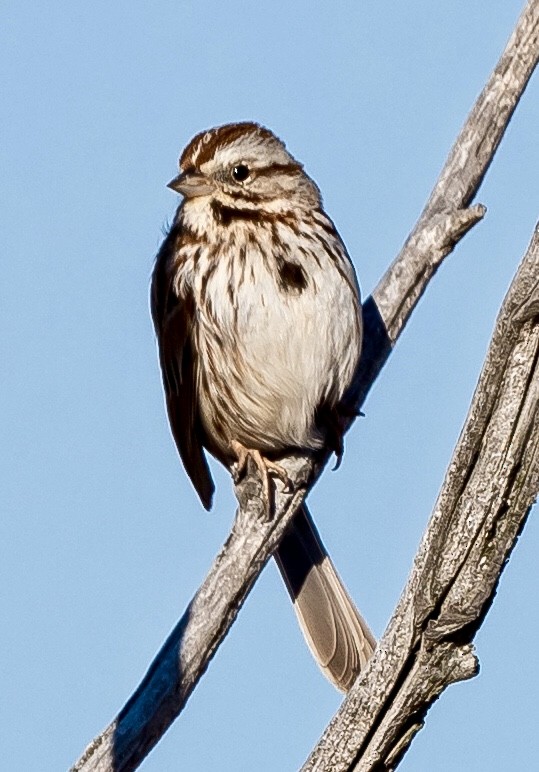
264, 466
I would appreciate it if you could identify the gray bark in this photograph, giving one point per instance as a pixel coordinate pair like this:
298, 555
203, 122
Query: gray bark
447, 217
488, 491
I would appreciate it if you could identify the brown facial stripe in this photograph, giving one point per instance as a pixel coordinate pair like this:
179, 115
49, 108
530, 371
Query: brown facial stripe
291, 168
227, 214
199, 151
249, 195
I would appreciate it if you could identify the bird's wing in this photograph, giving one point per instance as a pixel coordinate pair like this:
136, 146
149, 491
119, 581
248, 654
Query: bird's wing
173, 318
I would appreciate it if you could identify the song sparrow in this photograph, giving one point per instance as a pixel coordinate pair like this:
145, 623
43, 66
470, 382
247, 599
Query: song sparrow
258, 319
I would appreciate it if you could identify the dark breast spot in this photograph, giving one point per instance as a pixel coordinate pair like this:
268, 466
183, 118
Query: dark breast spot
292, 277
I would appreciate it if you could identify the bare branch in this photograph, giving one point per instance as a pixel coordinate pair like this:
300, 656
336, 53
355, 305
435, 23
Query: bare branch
190, 647
489, 488
406, 279
185, 656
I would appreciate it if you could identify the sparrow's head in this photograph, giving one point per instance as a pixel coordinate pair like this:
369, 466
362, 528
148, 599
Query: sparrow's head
244, 167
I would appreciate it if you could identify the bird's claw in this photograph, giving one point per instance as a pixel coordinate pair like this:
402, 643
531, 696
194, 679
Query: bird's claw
265, 468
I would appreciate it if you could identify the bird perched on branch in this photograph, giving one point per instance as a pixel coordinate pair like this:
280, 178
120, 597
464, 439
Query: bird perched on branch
257, 313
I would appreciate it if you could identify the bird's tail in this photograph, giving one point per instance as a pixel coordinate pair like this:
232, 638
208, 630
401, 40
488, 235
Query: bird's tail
337, 634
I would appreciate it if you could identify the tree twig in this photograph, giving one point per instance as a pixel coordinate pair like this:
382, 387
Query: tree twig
187, 652
489, 488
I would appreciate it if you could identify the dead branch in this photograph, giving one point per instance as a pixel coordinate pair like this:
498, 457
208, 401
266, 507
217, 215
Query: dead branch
489, 488
186, 654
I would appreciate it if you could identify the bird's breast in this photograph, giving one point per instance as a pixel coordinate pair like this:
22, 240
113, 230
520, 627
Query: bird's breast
278, 333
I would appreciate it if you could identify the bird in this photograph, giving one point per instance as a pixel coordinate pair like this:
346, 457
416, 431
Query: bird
257, 314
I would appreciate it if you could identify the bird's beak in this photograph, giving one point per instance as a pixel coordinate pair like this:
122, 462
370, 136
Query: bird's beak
191, 184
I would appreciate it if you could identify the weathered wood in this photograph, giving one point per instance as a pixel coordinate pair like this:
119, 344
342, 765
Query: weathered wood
463, 172
185, 656
489, 488
187, 652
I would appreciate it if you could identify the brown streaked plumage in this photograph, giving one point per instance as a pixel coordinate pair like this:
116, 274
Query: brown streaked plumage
257, 314
203, 146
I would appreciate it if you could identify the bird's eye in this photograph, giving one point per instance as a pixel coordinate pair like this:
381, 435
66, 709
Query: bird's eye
240, 172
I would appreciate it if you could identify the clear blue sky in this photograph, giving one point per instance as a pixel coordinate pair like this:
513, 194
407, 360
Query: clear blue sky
103, 541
